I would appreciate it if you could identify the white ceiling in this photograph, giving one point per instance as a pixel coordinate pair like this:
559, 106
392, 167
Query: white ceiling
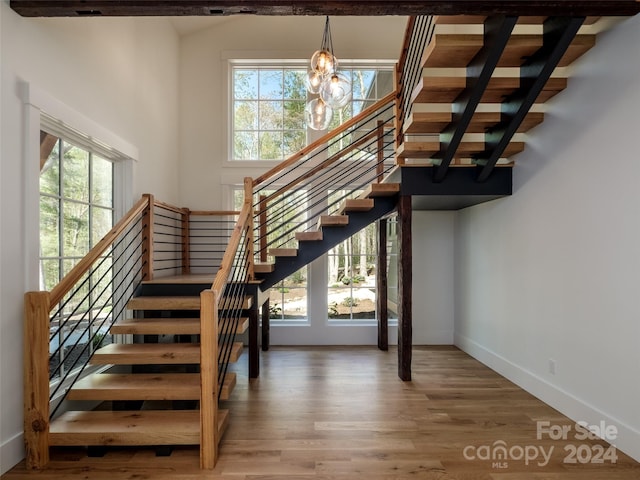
187, 25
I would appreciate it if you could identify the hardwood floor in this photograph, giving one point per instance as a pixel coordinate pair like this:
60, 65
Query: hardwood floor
342, 413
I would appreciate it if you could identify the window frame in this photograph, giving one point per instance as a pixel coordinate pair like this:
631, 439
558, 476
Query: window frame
234, 62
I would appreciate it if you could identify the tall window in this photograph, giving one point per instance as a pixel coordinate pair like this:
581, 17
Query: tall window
268, 106
268, 118
76, 211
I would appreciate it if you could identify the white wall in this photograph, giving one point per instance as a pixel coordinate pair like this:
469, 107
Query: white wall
120, 73
203, 88
553, 272
433, 240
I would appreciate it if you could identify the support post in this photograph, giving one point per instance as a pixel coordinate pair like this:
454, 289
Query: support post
186, 239
248, 198
254, 349
208, 379
382, 311
147, 239
36, 379
266, 325
404, 289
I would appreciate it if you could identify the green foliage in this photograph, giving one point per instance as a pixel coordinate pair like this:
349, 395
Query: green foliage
283, 290
298, 277
275, 311
268, 113
350, 302
333, 309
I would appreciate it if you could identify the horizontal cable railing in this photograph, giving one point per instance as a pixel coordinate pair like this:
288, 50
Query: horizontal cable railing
209, 233
291, 197
186, 241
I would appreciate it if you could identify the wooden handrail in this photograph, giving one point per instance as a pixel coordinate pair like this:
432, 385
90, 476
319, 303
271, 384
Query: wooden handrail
168, 206
318, 168
324, 139
226, 264
407, 39
70, 279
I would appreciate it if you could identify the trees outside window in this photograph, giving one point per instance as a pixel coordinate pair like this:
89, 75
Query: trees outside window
76, 211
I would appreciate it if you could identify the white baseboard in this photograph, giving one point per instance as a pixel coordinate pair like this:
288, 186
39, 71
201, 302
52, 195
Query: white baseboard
11, 452
577, 409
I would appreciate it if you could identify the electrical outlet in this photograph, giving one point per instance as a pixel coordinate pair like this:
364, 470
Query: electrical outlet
552, 366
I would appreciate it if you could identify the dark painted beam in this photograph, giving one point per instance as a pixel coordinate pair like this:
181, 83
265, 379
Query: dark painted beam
497, 31
459, 181
405, 279
559, 32
382, 310
75, 8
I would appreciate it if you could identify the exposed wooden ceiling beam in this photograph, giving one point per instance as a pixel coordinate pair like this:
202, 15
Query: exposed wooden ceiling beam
76, 8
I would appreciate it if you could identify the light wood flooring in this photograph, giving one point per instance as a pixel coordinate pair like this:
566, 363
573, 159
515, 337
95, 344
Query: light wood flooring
342, 413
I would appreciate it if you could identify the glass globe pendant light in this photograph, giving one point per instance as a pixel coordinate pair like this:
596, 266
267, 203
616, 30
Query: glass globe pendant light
323, 78
318, 114
323, 61
335, 90
313, 81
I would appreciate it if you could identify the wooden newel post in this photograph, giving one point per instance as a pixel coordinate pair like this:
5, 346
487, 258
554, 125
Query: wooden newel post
36, 378
248, 198
208, 379
147, 239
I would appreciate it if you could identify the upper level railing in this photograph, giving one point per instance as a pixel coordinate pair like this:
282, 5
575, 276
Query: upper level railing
418, 34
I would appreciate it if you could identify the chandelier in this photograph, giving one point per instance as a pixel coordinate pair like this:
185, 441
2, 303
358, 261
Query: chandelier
324, 79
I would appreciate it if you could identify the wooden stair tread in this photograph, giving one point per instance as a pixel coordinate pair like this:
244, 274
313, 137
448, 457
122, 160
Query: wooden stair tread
579, 46
465, 150
451, 50
283, 252
144, 386
165, 326
333, 221
164, 303
144, 427
427, 123
236, 352
356, 205
445, 89
312, 236
380, 190
263, 267
157, 326
147, 354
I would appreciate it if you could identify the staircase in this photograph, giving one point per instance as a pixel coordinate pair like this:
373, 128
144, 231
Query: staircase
156, 401
469, 89
353, 215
